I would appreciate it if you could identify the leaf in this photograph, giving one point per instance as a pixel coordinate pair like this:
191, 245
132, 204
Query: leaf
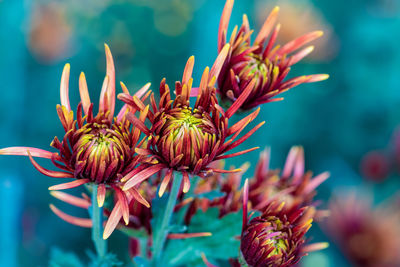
211, 195
59, 258
222, 245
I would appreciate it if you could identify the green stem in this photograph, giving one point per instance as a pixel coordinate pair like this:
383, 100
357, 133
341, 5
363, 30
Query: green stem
162, 232
97, 228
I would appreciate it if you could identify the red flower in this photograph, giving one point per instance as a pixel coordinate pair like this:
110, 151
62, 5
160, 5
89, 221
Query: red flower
368, 237
95, 149
293, 185
263, 62
276, 238
184, 137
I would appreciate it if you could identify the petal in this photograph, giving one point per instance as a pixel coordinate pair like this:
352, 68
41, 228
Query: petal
112, 221
219, 62
64, 87
70, 199
143, 175
55, 174
188, 235
84, 93
267, 27
299, 42
186, 182
165, 182
123, 202
187, 73
69, 185
111, 86
103, 103
87, 223
314, 183
23, 151
101, 194
245, 202
137, 196
237, 153
241, 99
224, 22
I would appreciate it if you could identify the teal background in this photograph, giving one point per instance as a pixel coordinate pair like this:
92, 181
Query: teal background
337, 121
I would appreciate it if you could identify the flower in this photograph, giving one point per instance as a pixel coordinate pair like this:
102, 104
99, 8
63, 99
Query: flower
187, 138
367, 236
276, 238
99, 150
293, 185
261, 62
375, 166
230, 201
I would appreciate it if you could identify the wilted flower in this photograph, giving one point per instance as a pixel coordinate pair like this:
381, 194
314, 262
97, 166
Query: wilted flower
187, 138
368, 237
293, 185
276, 238
99, 149
262, 62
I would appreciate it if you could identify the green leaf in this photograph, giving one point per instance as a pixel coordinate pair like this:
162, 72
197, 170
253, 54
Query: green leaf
222, 245
211, 195
59, 258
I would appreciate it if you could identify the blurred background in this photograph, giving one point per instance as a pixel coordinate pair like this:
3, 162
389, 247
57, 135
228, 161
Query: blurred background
347, 124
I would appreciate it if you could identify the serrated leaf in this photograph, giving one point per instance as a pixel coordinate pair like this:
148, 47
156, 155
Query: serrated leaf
222, 245
59, 258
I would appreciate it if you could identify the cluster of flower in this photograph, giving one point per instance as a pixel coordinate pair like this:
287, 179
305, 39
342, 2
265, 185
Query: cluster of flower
165, 144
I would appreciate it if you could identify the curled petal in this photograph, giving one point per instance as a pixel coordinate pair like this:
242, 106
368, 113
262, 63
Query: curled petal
82, 222
55, 174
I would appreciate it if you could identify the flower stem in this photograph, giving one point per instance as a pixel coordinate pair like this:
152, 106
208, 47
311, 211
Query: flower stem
162, 233
97, 228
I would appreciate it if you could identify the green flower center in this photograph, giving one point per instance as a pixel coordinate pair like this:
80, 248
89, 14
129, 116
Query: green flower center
185, 139
98, 153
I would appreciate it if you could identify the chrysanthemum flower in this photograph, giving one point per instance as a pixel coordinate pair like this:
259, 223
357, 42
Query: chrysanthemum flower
276, 238
368, 237
293, 185
95, 149
261, 61
187, 138
229, 186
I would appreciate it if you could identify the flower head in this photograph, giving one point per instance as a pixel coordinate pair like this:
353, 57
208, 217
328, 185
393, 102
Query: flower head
293, 185
263, 62
275, 238
367, 236
184, 137
95, 149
